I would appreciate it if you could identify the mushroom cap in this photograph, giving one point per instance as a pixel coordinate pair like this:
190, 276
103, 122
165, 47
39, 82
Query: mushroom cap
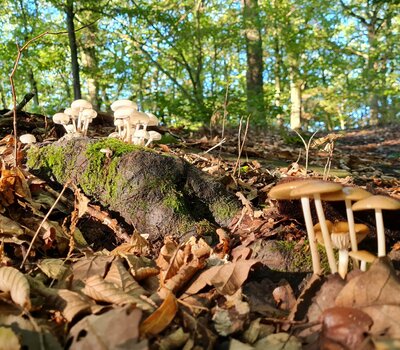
153, 120
123, 112
316, 187
154, 135
114, 135
377, 202
341, 240
89, 113
343, 227
283, 190
363, 255
72, 112
81, 104
141, 134
351, 193
27, 139
123, 103
139, 118
61, 118
119, 122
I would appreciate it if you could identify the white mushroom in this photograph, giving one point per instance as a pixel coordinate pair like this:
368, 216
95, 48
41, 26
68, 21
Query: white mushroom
27, 139
125, 113
73, 114
139, 136
87, 116
123, 103
63, 119
153, 136
80, 105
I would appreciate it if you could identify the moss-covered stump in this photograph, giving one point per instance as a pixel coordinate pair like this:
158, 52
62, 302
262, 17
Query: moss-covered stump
158, 194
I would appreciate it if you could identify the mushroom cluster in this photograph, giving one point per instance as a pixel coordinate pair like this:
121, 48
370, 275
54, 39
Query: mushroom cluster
76, 119
132, 124
342, 236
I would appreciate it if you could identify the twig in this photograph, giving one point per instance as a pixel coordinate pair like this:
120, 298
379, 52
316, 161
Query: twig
241, 144
20, 105
43, 221
218, 144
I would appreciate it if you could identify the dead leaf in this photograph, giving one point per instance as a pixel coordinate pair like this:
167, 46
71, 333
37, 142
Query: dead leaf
75, 304
53, 268
13, 281
377, 293
227, 278
8, 339
100, 290
161, 318
115, 329
279, 341
9, 227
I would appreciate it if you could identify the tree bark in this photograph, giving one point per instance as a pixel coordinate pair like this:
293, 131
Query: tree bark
295, 93
70, 14
254, 78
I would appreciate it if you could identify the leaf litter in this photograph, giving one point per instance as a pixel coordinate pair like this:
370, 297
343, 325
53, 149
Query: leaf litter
193, 294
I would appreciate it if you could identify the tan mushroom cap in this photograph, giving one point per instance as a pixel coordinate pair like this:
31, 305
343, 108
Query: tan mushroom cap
123, 103
316, 187
351, 193
377, 202
363, 255
341, 227
341, 240
283, 190
27, 138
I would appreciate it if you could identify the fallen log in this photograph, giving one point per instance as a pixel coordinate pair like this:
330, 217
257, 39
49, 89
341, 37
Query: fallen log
158, 193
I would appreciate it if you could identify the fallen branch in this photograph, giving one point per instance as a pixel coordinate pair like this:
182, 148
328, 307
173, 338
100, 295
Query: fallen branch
20, 105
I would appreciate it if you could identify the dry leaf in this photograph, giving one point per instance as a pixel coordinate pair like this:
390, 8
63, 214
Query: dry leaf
100, 290
161, 318
13, 281
75, 304
8, 339
53, 268
9, 227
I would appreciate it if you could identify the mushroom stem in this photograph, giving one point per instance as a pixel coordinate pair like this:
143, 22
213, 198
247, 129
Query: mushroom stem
305, 203
128, 136
380, 232
343, 262
325, 233
352, 231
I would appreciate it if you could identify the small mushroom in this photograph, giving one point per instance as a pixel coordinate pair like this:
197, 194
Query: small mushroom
139, 136
73, 115
364, 257
63, 119
27, 139
378, 203
123, 103
87, 116
283, 192
153, 120
153, 136
124, 113
341, 241
315, 189
80, 105
348, 195
139, 118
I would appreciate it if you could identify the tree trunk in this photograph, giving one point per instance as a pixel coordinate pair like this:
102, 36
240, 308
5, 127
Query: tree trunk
254, 78
69, 12
295, 94
372, 77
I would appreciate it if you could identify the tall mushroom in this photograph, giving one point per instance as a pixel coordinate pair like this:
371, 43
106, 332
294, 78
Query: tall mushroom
348, 195
314, 190
378, 203
63, 119
87, 116
73, 115
153, 136
124, 113
283, 192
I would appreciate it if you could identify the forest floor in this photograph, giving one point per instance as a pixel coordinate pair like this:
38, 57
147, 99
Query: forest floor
247, 291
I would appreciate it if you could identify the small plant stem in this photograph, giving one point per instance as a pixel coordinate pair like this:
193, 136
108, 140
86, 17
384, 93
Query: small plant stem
306, 145
352, 231
380, 232
43, 221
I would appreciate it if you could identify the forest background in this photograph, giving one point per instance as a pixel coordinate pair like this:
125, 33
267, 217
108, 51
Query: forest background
308, 64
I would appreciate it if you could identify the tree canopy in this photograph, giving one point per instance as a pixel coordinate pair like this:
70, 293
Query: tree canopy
298, 63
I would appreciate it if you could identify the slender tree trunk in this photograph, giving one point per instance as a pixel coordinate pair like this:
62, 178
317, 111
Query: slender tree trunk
295, 93
69, 12
2, 96
372, 77
254, 79
90, 64
277, 69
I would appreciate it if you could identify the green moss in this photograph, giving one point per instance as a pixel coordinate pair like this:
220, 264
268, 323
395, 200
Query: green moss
102, 171
299, 258
224, 210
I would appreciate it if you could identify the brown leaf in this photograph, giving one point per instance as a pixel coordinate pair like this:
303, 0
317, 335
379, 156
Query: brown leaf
100, 290
161, 318
10, 227
377, 293
14, 282
75, 303
346, 326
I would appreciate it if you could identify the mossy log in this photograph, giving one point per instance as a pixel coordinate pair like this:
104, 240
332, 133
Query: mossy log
159, 194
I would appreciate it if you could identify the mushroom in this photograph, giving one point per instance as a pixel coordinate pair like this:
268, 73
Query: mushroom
119, 123
125, 113
341, 241
27, 139
73, 114
364, 257
378, 203
123, 103
153, 136
80, 105
348, 194
139, 118
63, 119
283, 192
315, 189
139, 136
87, 116
153, 120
